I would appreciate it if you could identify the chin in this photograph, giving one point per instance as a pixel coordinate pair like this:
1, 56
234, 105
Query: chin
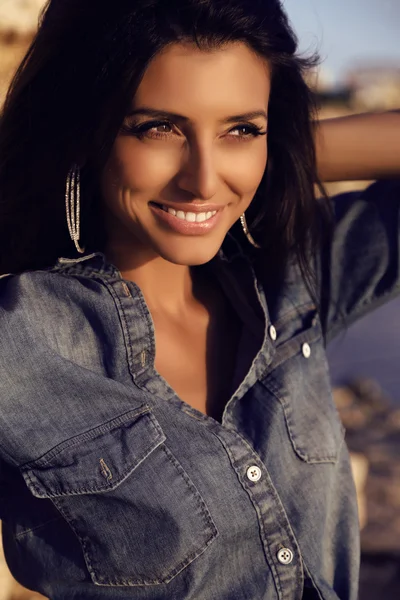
191, 254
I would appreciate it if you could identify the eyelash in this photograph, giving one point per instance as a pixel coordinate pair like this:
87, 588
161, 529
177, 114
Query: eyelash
140, 131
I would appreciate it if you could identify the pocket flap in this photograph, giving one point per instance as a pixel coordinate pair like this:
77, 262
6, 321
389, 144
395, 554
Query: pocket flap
97, 460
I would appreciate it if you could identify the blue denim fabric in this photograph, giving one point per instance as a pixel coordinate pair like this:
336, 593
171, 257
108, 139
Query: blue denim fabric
111, 487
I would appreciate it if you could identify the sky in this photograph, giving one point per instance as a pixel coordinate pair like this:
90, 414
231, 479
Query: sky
343, 31
347, 31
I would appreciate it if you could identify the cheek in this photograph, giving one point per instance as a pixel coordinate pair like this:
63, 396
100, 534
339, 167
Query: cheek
135, 166
247, 171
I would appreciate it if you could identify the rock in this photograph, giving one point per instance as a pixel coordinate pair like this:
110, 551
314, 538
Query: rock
370, 392
373, 436
359, 466
352, 414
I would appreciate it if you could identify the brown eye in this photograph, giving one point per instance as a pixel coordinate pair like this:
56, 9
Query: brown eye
161, 128
152, 129
245, 132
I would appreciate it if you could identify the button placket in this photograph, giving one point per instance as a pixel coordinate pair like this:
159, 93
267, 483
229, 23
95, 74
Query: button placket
275, 529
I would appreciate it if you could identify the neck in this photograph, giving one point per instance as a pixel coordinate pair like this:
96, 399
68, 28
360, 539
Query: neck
166, 287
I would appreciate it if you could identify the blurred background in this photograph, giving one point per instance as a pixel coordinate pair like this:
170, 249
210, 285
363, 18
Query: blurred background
359, 45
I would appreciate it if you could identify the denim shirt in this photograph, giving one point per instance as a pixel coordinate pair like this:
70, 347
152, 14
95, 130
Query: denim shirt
111, 487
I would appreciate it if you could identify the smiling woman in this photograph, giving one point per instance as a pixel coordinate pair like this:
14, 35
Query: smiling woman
220, 70
194, 168
169, 282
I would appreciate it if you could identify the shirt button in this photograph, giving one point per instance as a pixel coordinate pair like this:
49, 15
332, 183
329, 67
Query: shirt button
254, 473
306, 350
272, 333
285, 556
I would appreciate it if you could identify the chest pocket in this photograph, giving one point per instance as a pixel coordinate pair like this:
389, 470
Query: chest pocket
138, 516
299, 379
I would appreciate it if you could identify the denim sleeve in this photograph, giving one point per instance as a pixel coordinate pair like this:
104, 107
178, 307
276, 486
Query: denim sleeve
359, 268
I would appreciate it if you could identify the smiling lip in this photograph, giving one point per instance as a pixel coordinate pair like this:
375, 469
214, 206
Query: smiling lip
190, 207
186, 227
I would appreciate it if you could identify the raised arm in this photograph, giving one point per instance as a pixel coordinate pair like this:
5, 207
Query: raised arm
359, 147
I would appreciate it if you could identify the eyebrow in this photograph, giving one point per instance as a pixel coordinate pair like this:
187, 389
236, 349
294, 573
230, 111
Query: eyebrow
162, 114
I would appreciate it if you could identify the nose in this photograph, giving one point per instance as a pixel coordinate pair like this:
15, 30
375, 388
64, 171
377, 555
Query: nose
198, 174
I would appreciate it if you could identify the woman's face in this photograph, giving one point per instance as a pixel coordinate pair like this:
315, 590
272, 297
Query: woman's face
189, 157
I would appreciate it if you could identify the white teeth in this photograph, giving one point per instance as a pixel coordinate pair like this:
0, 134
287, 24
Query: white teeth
191, 217
200, 217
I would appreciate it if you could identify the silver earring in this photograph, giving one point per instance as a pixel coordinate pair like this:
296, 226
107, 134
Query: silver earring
247, 232
73, 206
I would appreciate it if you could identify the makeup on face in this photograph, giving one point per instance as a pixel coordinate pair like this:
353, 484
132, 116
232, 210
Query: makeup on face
190, 153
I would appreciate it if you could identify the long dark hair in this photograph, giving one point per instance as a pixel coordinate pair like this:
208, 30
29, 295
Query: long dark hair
73, 89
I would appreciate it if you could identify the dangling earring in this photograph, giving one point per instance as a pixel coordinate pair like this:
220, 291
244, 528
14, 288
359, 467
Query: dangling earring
73, 206
247, 232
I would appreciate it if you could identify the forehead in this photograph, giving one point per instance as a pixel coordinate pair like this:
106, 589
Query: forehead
184, 79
